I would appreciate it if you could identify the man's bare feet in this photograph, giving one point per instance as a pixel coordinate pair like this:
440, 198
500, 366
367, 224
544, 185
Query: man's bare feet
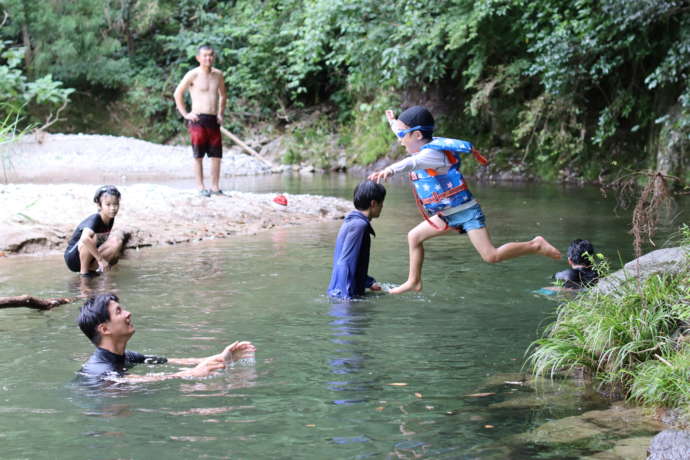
407, 286
546, 249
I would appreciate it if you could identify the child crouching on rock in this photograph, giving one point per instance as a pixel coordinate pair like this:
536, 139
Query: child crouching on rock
350, 277
93, 248
434, 163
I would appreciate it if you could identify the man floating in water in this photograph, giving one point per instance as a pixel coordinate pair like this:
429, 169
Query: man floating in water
434, 163
207, 89
109, 327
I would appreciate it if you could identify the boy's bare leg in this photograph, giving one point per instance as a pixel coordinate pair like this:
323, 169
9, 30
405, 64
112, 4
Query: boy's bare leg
415, 239
111, 250
215, 174
482, 243
86, 259
199, 172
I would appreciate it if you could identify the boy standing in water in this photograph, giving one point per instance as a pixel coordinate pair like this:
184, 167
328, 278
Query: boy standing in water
93, 248
349, 277
207, 89
442, 191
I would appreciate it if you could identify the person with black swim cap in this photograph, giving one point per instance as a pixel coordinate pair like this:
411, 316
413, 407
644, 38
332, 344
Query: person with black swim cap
441, 191
109, 327
94, 247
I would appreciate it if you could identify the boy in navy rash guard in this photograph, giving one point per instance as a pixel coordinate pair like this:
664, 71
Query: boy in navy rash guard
350, 277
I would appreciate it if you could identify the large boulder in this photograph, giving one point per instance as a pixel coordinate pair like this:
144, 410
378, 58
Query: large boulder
662, 261
670, 445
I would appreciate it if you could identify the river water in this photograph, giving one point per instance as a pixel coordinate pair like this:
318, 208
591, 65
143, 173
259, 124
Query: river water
383, 377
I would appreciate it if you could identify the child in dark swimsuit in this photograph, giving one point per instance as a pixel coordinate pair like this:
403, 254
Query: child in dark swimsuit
581, 274
93, 247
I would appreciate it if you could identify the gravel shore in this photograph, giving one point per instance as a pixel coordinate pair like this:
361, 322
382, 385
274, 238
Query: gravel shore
39, 210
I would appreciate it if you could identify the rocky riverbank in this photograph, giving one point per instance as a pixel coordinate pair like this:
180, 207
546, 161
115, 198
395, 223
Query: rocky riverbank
90, 158
41, 203
38, 218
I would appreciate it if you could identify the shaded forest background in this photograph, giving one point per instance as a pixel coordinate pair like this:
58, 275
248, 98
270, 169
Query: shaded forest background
560, 88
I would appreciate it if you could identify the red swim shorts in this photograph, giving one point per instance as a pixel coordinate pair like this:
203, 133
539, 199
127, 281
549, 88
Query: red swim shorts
206, 138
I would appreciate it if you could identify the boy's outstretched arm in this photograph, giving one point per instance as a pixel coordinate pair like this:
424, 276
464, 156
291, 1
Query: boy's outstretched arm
390, 116
381, 175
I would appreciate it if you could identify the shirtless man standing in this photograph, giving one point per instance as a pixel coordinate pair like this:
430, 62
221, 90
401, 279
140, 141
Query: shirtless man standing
207, 89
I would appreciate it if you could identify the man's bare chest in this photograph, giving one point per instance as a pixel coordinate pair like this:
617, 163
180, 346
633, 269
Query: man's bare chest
205, 84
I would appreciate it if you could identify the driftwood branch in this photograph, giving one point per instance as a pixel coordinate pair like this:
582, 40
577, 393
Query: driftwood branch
33, 302
244, 146
52, 118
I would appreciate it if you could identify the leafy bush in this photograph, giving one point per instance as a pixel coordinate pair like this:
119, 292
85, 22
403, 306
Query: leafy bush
569, 84
664, 382
619, 339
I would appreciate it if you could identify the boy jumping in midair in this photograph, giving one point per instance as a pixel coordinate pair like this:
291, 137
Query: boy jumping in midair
442, 191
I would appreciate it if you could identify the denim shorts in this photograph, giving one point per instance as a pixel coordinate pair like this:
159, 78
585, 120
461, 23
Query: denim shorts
464, 221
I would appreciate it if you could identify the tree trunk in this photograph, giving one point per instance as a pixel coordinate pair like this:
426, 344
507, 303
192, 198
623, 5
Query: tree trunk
673, 142
32, 302
26, 38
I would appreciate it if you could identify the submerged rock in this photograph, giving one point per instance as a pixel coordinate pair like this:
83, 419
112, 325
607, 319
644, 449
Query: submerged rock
624, 449
617, 422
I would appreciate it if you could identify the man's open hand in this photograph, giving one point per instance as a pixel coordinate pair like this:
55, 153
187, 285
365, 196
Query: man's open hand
237, 350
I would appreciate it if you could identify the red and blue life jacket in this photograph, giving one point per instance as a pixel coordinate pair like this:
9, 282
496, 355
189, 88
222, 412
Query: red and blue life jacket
437, 192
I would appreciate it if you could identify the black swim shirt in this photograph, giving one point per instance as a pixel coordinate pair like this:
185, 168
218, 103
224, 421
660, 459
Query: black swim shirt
95, 223
103, 363
577, 278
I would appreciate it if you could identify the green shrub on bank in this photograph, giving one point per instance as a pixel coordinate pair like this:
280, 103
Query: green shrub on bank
367, 135
665, 381
629, 342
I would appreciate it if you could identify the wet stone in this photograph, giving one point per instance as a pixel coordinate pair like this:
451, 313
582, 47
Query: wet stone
670, 445
624, 449
617, 422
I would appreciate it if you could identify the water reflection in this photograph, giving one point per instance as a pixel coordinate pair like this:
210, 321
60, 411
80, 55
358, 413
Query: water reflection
86, 287
351, 320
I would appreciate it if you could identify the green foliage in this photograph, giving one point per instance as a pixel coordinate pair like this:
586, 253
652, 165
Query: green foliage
566, 83
312, 142
18, 94
368, 135
664, 383
618, 338
9, 132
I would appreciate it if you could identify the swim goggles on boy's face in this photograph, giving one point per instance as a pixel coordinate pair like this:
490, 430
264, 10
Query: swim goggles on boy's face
402, 133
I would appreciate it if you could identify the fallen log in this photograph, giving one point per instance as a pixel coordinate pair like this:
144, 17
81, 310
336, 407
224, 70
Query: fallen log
245, 147
33, 302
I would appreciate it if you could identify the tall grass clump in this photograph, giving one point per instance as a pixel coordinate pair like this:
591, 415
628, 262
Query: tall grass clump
631, 342
664, 382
